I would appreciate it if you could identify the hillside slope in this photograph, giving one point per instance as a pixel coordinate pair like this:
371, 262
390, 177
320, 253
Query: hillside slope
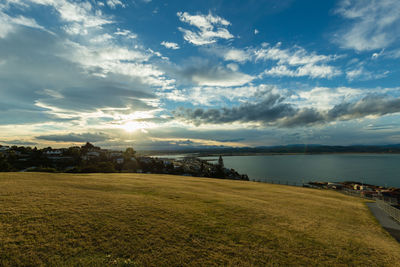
161, 220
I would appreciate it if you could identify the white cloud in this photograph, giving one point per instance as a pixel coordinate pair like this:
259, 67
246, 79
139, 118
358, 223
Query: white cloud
8, 23
81, 15
313, 71
233, 66
304, 63
325, 98
126, 33
352, 74
360, 73
101, 38
378, 55
170, 45
214, 95
210, 28
236, 55
115, 3
395, 53
295, 56
318, 71
375, 24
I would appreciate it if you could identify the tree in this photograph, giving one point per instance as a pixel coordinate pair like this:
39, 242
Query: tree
87, 146
220, 168
129, 153
4, 165
221, 162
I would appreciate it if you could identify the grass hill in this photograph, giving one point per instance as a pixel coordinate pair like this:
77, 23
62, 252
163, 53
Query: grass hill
162, 220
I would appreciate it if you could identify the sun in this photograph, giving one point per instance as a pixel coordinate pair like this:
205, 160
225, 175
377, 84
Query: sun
131, 126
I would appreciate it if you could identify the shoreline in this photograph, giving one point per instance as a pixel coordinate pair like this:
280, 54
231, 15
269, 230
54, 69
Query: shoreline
271, 154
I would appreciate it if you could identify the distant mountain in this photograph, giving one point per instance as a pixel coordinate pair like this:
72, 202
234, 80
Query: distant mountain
284, 149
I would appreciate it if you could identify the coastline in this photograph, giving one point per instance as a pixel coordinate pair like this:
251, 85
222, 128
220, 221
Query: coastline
200, 154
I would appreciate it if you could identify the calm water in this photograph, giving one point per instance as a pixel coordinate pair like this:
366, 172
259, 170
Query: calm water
378, 169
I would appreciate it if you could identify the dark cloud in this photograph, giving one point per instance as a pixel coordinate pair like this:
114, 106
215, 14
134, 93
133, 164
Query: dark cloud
302, 117
269, 110
72, 137
370, 105
273, 111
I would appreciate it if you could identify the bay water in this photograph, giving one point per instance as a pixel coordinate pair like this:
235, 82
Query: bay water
376, 169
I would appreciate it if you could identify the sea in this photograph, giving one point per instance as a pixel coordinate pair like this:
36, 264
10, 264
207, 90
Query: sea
376, 169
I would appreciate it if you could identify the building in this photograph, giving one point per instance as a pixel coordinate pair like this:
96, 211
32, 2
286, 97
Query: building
54, 152
119, 160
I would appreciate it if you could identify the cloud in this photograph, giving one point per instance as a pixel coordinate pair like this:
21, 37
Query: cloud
269, 110
295, 56
73, 137
10, 24
236, 55
210, 28
215, 95
170, 45
372, 105
75, 82
360, 73
324, 98
230, 54
115, 3
374, 24
313, 71
273, 111
296, 62
80, 17
127, 33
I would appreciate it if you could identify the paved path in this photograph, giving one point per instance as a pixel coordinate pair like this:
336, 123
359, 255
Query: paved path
387, 222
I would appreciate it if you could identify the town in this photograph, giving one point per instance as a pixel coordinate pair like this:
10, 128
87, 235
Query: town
390, 195
91, 159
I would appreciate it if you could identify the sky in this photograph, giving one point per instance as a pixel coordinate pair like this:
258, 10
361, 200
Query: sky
197, 74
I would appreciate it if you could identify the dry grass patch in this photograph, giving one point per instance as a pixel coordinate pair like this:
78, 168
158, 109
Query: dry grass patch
162, 220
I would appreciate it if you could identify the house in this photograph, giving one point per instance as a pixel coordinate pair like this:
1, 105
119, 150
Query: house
335, 186
119, 160
54, 152
91, 155
359, 187
116, 154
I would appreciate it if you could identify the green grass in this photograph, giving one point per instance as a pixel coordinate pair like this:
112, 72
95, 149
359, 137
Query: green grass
162, 220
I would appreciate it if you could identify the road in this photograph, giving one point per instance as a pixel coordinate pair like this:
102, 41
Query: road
387, 222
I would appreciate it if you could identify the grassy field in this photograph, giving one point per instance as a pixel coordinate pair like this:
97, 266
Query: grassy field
161, 220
